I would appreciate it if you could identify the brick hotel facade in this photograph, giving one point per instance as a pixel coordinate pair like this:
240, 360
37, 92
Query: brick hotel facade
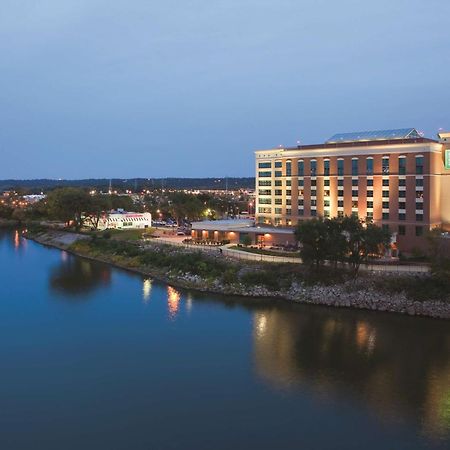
395, 178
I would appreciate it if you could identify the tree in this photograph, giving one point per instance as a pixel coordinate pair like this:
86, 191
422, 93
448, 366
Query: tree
246, 240
363, 240
313, 235
68, 204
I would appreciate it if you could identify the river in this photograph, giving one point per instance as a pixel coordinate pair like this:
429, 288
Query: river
93, 357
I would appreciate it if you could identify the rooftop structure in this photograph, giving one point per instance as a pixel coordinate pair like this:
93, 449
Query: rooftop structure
378, 135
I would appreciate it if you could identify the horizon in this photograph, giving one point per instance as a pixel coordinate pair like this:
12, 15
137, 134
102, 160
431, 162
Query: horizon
94, 89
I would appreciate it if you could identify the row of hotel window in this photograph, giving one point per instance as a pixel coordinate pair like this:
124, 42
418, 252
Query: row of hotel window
401, 229
326, 213
326, 183
340, 167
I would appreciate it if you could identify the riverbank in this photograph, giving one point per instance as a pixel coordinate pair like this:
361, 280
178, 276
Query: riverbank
188, 268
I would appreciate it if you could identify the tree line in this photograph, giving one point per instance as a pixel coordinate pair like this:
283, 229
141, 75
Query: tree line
340, 240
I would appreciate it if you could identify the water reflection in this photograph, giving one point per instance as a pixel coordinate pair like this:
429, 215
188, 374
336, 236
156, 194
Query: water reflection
19, 241
397, 366
173, 302
76, 276
146, 290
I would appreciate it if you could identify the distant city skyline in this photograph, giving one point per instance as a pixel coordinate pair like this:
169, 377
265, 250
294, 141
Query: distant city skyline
97, 88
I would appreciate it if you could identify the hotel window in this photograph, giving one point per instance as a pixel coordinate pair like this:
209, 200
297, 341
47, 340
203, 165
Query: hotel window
385, 182
419, 231
340, 203
265, 174
402, 194
326, 167
288, 182
385, 205
265, 192
301, 212
385, 165
326, 183
288, 212
278, 183
401, 230
340, 193
419, 206
402, 182
401, 205
340, 182
301, 182
278, 192
369, 193
288, 168
265, 165
385, 194
313, 213
326, 203
402, 216
288, 192
354, 193
301, 202
354, 213
265, 201
340, 214
313, 193
313, 202
264, 183
301, 168
278, 164
355, 166
340, 164
278, 210
370, 182
370, 204
278, 201
313, 182
326, 213
300, 192
278, 173
369, 166
369, 216
402, 165
354, 203
385, 216
326, 193
265, 210
419, 181
419, 165
355, 182
419, 194
419, 217
313, 167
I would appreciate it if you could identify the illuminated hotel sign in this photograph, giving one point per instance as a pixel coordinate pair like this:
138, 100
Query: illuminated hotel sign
447, 159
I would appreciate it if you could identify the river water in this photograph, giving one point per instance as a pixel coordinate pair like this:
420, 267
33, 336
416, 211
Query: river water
97, 358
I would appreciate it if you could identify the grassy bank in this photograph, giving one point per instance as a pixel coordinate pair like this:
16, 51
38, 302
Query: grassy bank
172, 262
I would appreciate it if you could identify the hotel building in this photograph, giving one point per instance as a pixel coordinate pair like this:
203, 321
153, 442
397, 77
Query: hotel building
395, 178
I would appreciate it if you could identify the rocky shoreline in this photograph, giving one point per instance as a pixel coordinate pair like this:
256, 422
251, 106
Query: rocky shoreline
352, 294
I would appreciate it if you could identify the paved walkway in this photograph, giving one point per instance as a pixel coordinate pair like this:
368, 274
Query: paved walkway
243, 255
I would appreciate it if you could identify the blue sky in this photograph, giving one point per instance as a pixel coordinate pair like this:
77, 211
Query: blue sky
107, 88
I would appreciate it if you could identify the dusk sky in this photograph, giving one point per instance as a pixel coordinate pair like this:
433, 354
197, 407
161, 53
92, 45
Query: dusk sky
108, 88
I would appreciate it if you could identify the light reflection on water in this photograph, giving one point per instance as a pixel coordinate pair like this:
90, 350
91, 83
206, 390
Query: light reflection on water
173, 302
336, 355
